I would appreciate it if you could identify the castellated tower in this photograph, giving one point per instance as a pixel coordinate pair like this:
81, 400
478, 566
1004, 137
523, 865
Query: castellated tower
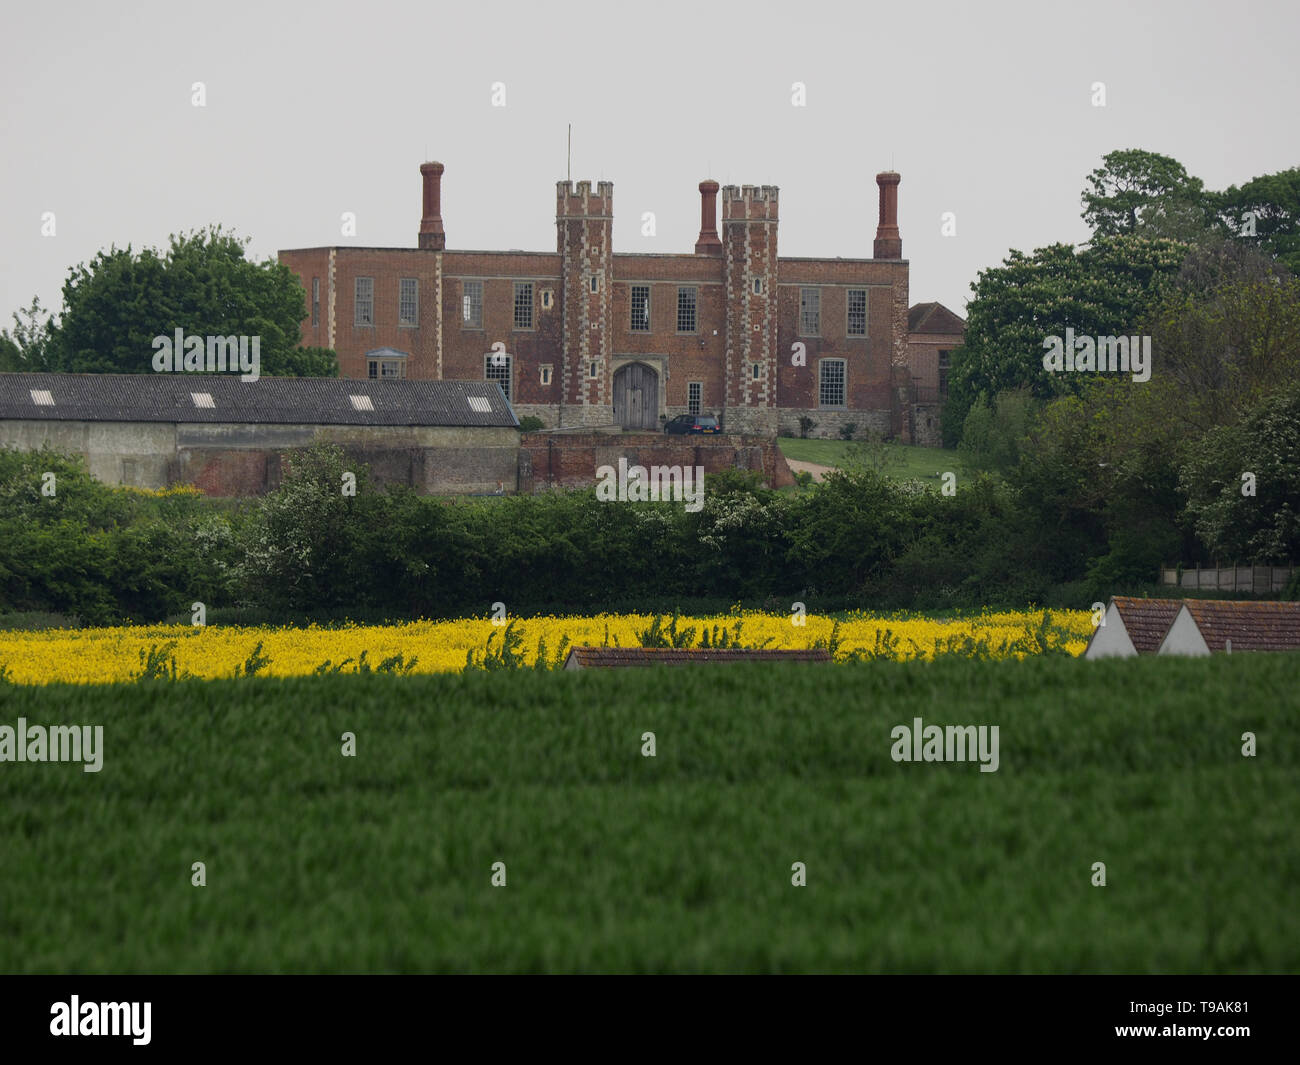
749, 221
584, 222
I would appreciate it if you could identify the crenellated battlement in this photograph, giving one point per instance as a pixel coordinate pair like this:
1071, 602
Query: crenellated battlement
749, 202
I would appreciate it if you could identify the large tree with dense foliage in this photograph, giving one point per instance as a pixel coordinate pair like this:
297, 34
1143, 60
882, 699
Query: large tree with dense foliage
203, 284
1242, 483
1133, 188
1103, 290
1265, 210
1225, 335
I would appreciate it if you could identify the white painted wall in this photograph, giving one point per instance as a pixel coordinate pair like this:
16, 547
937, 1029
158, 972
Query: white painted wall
1110, 639
1184, 637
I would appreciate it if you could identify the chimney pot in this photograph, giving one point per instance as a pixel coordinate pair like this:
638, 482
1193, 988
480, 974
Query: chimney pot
889, 245
709, 243
432, 235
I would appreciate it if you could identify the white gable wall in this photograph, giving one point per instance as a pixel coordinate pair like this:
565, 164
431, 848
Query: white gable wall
1184, 637
1110, 639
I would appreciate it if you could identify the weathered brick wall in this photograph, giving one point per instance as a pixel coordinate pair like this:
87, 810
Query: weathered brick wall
465, 347
386, 266
226, 472
309, 264
570, 460
584, 238
749, 245
737, 328
687, 357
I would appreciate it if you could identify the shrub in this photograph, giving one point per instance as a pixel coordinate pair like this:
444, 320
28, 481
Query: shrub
806, 425
847, 430
159, 663
530, 423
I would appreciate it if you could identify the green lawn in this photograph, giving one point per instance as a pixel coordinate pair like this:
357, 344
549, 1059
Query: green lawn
905, 461
681, 862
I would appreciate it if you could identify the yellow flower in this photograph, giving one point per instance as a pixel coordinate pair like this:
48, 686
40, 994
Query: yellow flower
96, 656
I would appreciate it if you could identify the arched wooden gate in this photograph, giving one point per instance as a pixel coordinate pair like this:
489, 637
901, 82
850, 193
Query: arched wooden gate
636, 397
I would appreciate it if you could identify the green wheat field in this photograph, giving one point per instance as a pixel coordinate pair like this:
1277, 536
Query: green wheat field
615, 862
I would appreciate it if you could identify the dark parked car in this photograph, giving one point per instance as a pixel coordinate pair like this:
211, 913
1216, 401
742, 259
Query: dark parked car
693, 423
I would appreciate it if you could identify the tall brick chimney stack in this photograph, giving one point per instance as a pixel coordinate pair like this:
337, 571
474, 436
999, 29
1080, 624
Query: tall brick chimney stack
889, 245
432, 235
709, 243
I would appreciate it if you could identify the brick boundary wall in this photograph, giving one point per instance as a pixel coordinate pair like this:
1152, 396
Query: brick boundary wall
570, 459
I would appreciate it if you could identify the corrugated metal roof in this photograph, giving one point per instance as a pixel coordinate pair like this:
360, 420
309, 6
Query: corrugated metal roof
268, 400
1250, 626
614, 657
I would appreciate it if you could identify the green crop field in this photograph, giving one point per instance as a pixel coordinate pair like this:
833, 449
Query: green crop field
316, 862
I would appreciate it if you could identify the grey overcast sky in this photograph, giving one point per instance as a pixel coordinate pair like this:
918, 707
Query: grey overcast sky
316, 109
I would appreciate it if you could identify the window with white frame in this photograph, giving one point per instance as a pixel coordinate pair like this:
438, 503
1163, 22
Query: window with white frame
408, 303
365, 301
830, 387
386, 369
857, 309
523, 305
694, 397
498, 367
471, 304
640, 309
810, 312
686, 318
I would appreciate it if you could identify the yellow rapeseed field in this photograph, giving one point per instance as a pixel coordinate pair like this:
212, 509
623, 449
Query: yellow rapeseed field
92, 656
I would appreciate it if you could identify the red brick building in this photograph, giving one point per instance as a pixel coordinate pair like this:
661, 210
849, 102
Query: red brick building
583, 336
933, 333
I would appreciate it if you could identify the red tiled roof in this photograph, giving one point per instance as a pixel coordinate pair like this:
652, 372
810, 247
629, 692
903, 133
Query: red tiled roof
615, 657
934, 318
1250, 626
1146, 620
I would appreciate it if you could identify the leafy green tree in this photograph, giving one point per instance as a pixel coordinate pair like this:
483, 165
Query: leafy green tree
26, 348
1223, 337
302, 545
1257, 518
1098, 475
1270, 206
1133, 187
306, 362
992, 436
1103, 290
114, 306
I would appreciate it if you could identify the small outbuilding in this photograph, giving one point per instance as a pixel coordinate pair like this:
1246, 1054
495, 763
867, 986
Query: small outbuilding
1131, 627
1215, 626
622, 657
